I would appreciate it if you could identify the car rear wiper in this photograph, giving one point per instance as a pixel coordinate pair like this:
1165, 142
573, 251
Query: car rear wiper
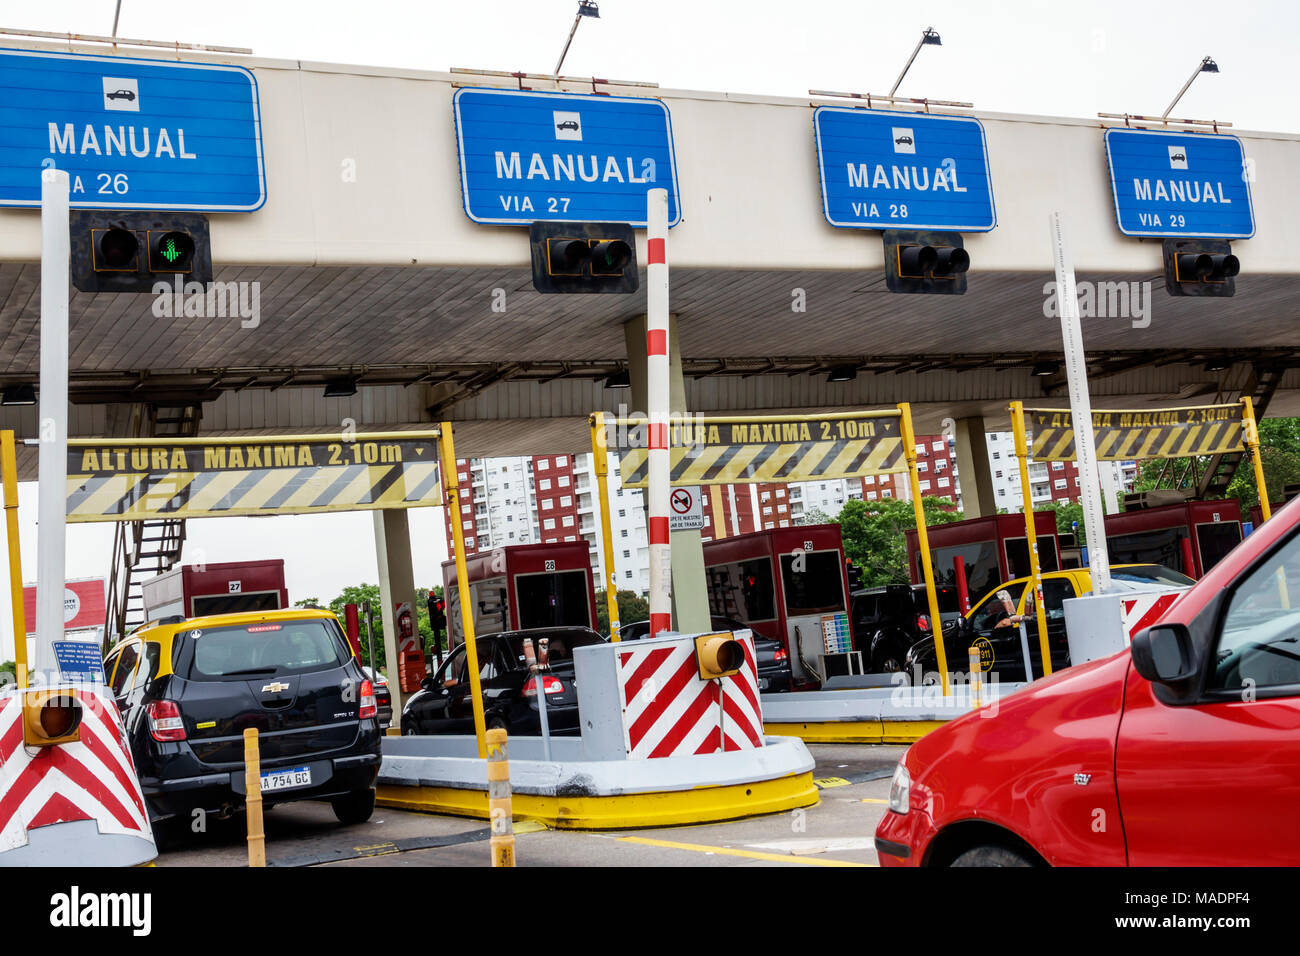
250, 670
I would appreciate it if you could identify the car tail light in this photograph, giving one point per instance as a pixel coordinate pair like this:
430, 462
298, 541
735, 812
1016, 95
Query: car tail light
368, 708
922, 623
165, 721
781, 654
551, 684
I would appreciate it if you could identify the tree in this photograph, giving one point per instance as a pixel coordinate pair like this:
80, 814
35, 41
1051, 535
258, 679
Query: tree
307, 602
631, 608
874, 534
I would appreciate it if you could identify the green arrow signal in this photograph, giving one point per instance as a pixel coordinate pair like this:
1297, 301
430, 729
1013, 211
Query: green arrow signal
169, 251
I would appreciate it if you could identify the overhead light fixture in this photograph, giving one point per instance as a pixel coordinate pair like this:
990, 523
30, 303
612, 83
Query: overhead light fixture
19, 395
344, 387
586, 8
1044, 369
928, 38
1206, 65
619, 380
1218, 365
842, 373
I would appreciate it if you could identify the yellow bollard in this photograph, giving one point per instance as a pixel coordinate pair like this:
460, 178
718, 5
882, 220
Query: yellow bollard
976, 676
253, 799
499, 810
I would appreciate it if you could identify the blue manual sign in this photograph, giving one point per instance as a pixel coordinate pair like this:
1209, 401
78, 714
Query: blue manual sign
883, 170
1180, 184
527, 157
131, 133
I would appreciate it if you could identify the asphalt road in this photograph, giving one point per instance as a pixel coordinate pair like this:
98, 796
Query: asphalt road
854, 782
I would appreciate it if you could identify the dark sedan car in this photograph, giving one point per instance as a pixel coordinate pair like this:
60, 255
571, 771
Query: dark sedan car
772, 663
383, 696
443, 704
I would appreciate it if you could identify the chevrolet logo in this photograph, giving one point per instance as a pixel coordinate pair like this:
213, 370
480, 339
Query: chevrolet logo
274, 688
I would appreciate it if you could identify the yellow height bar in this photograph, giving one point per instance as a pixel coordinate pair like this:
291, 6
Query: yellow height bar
1252, 442
451, 485
1031, 533
719, 511
600, 460
923, 542
9, 468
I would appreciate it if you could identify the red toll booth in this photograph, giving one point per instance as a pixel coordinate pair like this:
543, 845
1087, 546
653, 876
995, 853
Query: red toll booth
790, 585
993, 548
194, 590
1156, 535
523, 586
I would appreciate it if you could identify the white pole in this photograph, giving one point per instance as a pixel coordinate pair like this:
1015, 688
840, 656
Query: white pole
661, 578
1076, 373
52, 458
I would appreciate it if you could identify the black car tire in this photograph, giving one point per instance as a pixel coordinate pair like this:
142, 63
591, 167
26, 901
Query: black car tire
408, 728
354, 807
992, 855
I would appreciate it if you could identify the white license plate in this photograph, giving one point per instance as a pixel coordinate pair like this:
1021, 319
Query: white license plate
286, 779
762, 683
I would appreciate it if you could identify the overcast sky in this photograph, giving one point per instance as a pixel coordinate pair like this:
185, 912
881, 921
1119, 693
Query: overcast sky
1020, 57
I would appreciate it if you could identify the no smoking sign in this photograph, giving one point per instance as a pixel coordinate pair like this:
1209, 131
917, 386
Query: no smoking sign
685, 510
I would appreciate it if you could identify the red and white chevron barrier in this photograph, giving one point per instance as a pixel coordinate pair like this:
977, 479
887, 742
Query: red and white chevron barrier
90, 779
1144, 610
668, 711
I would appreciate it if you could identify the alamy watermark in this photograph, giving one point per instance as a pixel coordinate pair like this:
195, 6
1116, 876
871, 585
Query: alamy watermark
1105, 300
218, 300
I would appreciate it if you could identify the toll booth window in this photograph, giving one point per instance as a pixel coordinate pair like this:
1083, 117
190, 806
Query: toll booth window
983, 571
817, 588
1018, 555
758, 590
1216, 540
557, 599
234, 603
1260, 631
1149, 547
1055, 591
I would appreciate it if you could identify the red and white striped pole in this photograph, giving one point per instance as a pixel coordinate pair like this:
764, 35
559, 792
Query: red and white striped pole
656, 335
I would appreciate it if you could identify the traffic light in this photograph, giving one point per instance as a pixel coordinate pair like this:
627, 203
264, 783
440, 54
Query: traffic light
854, 574
51, 717
932, 263
1200, 267
571, 257
718, 655
116, 251
437, 613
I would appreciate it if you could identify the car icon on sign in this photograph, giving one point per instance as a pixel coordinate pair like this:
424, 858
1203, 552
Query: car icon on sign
121, 95
903, 140
1178, 158
567, 124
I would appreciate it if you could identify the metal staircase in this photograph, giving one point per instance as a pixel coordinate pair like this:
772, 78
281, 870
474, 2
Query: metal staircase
143, 549
1221, 469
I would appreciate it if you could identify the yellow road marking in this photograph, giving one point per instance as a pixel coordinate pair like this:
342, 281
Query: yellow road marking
728, 851
529, 826
823, 783
874, 800
377, 849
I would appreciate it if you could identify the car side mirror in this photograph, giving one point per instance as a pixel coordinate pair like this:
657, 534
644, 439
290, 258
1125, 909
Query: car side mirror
1164, 654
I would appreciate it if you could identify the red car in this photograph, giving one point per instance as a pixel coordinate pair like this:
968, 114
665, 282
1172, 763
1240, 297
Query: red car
1183, 750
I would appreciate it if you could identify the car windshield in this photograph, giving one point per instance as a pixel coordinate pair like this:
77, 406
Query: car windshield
1151, 574
256, 650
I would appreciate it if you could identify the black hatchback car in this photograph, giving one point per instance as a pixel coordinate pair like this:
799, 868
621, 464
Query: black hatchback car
443, 704
187, 690
772, 660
